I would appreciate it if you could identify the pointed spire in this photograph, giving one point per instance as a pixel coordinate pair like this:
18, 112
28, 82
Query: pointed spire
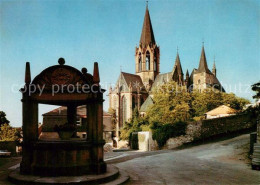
187, 74
214, 70
178, 64
27, 73
203, 66
96, 79
147, 36
214, 65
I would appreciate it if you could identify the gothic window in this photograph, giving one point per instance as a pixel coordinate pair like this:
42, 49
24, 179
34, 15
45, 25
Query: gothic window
114, 102
133, 102
124, 106
139, 62
147, 60
155, 62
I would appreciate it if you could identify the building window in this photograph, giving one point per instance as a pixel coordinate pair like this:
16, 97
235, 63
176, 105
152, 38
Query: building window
198, 81
124, 101
133, 102
155, 62
79, 121
139, 62
147, 60
114, 102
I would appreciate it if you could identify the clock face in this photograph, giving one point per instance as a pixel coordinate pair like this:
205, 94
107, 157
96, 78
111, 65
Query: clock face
61, 76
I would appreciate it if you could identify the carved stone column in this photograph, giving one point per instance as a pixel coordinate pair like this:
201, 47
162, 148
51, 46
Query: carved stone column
72, 114
30, 133
95, 135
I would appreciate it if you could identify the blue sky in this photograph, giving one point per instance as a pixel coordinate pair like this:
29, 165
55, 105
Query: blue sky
107, 31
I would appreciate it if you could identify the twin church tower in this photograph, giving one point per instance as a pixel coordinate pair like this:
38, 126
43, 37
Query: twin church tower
135, 90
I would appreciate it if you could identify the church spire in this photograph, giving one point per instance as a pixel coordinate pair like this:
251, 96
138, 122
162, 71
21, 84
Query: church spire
214, 70
147, 36
178, 64
187, 74
203, 66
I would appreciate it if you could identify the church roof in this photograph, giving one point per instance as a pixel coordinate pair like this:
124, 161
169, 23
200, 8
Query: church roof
135, 81
62, 111
148, 102
203, 66
126, 80
161, 79
147, 36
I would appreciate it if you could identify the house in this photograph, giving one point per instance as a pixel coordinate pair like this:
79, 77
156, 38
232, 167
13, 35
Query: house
58, 116
221, 111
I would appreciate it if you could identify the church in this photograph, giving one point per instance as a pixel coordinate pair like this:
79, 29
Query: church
135, 90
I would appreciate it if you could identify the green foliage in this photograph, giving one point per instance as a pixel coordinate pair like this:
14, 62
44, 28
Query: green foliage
134, 125
113, 120
233, 101
171, 104
7, 133
173, 107
256, 88
3, 119
134, 141
203, 102
162, 132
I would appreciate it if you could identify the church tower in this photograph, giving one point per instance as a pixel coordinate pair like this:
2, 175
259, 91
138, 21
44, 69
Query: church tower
147, 55
203, 78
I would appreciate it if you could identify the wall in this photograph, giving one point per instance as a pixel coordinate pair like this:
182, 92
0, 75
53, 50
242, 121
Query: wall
8, 145
204, 129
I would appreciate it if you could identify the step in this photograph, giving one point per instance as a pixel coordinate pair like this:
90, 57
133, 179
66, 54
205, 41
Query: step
123, 178
111, 175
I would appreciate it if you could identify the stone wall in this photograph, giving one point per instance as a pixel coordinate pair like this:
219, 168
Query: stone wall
211, 128
204, 129
8, 145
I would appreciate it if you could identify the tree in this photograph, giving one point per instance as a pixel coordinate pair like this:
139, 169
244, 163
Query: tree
233, 101
171, 104
3, 119
135, 124
207, 100
256, 88
113, 119
8, 133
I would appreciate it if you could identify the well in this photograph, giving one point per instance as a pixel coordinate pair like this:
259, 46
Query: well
63, 85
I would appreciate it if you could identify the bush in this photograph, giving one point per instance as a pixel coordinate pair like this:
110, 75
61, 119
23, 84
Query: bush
134, 141
162, 132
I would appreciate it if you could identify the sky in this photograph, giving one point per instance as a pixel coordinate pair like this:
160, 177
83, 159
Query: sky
107, 31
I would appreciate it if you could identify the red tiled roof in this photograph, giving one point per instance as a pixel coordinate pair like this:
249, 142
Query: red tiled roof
62, 111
